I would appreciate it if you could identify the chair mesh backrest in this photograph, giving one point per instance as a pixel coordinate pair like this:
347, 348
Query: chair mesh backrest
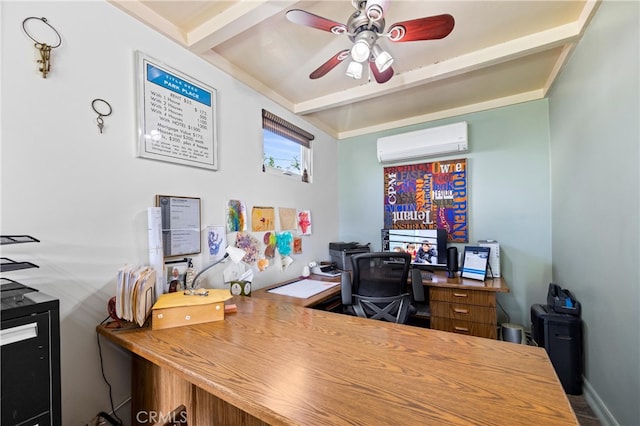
380, 273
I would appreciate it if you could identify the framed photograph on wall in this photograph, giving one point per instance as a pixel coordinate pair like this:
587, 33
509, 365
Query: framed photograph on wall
176, 116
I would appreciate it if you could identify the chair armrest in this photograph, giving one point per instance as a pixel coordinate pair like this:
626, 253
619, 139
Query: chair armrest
345, 288
416, 285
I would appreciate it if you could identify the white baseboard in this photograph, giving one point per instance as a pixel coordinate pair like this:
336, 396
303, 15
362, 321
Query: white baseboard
597, 405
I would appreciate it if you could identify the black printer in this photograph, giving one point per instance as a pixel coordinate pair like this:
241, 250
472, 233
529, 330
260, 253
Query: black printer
341, 252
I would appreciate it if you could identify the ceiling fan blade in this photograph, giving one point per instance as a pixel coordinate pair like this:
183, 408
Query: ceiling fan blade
330, 64
302, 17
381, 77
431, 28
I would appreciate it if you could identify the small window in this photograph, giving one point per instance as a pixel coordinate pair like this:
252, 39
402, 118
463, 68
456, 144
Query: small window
286, 148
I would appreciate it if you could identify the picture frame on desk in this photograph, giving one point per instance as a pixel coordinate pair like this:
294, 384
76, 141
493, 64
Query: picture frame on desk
176, 274
474, 262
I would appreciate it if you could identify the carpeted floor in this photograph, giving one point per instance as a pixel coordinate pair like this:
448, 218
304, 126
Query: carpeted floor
585, 415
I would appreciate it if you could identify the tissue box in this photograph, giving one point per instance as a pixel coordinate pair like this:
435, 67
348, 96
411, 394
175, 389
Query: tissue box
178, 309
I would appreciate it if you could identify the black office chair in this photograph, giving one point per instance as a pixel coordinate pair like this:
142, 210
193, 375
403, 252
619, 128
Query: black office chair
420, 303
377, 287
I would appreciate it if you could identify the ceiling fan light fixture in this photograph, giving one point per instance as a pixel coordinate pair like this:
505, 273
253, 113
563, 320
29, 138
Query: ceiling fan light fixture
354, 70
360, 51
383, 59
375, 9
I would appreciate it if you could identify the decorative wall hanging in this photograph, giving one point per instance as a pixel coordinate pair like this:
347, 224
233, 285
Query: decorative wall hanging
236, 216
263, 219
216, 242
176, 116
287, 218
250, 245
283, 242
43, 48
270, 241
428, 196
98, 106
304, 222
297, 245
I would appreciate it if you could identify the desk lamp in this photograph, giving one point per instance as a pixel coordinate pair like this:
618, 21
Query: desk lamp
236, 254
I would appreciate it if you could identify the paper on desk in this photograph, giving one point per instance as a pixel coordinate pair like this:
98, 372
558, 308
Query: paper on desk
303, 289
134, 293
156, 259
143, 296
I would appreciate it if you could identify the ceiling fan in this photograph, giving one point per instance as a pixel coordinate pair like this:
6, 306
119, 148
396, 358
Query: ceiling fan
364, 27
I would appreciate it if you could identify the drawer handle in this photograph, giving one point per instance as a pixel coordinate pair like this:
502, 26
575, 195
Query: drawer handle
462, 329
18, 333
461, 311
460, 295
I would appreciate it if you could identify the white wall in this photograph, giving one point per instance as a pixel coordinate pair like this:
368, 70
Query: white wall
594, 109
85, 194
508, 195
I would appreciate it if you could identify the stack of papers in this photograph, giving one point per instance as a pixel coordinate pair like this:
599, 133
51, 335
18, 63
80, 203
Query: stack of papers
135, 293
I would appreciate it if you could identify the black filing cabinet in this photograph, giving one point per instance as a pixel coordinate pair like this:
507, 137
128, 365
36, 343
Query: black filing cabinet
561, 336
30, 353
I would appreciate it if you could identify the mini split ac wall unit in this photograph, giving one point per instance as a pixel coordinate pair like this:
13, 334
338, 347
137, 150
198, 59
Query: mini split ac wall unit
449, 139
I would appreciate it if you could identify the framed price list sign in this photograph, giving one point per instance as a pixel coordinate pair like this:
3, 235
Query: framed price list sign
176, 115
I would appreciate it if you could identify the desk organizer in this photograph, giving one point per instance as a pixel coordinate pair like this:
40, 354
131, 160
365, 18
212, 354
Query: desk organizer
179, 309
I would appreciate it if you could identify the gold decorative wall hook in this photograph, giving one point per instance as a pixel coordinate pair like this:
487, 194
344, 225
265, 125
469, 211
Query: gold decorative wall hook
43, 48
45, 58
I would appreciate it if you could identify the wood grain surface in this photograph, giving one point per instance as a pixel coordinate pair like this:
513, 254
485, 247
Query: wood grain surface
286, 364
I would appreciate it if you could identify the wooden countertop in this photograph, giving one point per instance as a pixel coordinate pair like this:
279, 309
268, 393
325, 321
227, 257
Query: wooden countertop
286, 364
439, 279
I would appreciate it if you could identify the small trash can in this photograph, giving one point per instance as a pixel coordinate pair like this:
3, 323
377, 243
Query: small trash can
513, 333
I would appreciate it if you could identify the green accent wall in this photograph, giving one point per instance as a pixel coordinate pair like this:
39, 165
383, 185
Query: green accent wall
508, 195
594, 115
557, 183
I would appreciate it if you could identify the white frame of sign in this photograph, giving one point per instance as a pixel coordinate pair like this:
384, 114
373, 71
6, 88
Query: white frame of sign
176, 116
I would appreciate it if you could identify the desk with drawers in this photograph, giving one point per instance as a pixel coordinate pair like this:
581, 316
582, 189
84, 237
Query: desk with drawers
464, 307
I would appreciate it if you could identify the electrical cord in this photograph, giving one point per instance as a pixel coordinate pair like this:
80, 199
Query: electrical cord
107, 417
503, 310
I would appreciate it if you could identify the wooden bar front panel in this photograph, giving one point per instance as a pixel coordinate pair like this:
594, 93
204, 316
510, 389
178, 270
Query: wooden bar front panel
157, 391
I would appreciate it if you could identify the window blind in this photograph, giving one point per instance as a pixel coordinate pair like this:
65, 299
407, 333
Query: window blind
285, 129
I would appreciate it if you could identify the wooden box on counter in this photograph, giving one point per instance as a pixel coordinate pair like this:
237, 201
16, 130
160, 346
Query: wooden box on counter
178, 309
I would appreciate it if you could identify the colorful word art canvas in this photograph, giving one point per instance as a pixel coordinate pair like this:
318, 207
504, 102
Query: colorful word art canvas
428, 196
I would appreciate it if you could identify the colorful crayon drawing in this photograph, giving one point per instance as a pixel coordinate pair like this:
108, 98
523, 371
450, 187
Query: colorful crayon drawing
287, 218
304, 222
236, 216
263, 219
